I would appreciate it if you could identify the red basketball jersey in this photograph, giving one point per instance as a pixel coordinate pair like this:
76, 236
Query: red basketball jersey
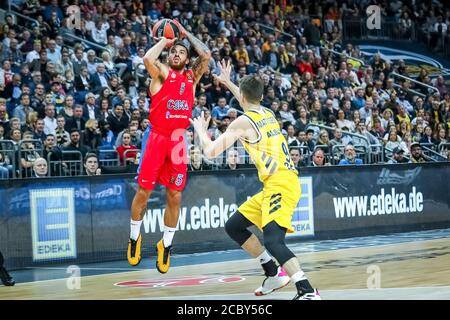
172, 105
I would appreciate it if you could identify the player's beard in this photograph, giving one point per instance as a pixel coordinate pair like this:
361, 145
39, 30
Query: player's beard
177, 66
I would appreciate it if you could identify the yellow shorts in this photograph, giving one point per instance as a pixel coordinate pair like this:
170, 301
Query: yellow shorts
276, 202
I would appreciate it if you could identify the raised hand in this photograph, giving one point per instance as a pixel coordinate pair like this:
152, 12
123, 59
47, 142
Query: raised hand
201, 123
183, 32
168, 42
225, 71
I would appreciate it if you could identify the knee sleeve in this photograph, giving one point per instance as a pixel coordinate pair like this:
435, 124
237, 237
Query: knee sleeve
236, 228
274, 236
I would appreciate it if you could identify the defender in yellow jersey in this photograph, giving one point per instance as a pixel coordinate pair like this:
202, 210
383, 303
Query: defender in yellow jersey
271, 209
276, 171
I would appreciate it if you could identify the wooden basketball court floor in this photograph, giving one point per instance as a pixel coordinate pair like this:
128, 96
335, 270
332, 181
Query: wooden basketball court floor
413, 265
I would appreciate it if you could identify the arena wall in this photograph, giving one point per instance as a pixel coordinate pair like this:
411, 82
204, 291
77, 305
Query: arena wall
86, 219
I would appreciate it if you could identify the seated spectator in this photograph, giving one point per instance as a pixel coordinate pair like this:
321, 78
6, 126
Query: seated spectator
38, 132
126, 145
286, 114
377, 129
40, 168
427, 137
196, 161
302, 122
53, 154
220, 110
62, 136
91, 167
99, 79
297, 158
337, 140
397, 156
120, 97
441, 136
416, 153
350, 156
82, 85
91, 136
5, 167
136, 138
362, 130
318, 158
341, 121
300, 140
27, 155
393, 142
50, 123
77, 121
15, 136
310, 139
23, 108
233, 161
76, 145
291, 138
118, 120
323, 141
107, 136
90, 110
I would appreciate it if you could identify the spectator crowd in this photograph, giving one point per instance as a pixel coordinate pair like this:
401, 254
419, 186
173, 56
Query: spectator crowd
78, 93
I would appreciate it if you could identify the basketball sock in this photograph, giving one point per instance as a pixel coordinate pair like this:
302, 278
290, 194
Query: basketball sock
264, 257
169, 232
267, 263
135, 229
301, 282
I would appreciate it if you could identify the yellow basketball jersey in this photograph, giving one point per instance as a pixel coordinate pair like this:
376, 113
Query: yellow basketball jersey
269, 151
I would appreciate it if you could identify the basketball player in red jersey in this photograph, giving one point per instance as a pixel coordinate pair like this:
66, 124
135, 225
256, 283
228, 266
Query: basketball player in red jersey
172, 89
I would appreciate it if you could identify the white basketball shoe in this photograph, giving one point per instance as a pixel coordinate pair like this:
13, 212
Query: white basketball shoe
308, 296
270, 284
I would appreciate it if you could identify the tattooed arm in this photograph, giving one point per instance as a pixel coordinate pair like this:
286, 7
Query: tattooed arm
200, 65
156, 69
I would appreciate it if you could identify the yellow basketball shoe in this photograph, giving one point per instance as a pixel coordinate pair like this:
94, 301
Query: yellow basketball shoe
163, 257
134, 251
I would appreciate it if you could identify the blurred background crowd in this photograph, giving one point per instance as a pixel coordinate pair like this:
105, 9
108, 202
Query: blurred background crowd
74, 92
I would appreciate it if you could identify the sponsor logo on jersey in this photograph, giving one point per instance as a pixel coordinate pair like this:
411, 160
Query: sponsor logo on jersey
177, 105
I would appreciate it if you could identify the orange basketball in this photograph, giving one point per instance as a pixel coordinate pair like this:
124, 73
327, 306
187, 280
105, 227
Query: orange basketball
166, 28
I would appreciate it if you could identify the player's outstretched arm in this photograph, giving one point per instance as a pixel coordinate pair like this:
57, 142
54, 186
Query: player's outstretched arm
204, 54
154, 67
225, 79
212, 149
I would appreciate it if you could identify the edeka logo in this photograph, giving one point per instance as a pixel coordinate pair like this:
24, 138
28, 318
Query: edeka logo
208, 215
213, 214
303, 217
385, 203
53, 223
